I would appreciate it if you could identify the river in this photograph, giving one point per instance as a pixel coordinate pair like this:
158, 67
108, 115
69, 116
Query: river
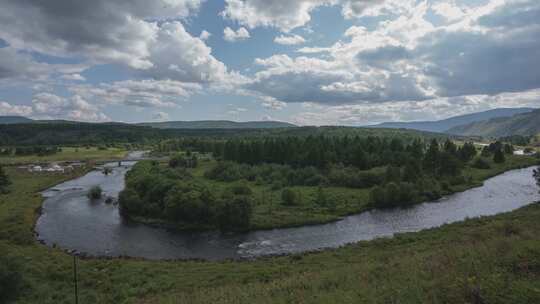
72, 222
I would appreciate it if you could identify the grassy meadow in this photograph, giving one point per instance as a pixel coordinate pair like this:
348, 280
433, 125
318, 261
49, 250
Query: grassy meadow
488, 260
67, 154
269, 211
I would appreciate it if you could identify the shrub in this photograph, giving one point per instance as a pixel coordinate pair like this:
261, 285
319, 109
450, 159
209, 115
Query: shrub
377, 196
4, 181
289, 197
107, 170
321, 199
241, 188
235, 213
499, 157
481, 163
95, 193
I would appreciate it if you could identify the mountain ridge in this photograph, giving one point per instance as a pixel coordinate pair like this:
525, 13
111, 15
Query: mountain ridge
444, 125
526, 124
217, 124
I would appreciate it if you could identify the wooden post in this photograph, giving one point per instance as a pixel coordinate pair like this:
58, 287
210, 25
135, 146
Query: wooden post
75, 279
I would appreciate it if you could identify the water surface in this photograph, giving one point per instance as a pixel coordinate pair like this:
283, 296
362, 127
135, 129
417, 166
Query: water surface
72, 222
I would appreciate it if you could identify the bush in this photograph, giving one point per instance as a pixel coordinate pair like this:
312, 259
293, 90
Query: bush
321, 199
4, 181
289, 197
235, 213
95, 193
499, 157
241, 189
393, 195
481, 163
130, 202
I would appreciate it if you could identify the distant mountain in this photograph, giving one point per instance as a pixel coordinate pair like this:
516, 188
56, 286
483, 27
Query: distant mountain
520, 124
8, 120
447, 124
218, 124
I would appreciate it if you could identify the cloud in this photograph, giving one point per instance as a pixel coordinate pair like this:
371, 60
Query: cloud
205, 35
50, 106
145, 36
232, 36
74, 77
272, 103
160, 116
20, 66
176, 55
287, 15
16, 110
102, 30
139, 93
236, 111
407, 58
433, 109
289, 40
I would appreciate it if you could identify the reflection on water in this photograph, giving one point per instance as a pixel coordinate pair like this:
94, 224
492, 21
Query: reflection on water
72, 222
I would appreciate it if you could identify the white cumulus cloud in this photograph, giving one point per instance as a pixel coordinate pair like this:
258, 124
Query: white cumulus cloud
231, 35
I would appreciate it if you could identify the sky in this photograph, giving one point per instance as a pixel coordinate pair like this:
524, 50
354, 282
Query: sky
308, 62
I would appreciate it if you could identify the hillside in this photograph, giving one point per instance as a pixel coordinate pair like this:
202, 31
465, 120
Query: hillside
447, 124
217, 124
8, 120
520, 124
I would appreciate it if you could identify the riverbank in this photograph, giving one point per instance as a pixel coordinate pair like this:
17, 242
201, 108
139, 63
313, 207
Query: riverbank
492, 259
269, 212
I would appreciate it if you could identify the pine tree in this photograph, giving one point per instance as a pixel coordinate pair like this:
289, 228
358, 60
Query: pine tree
431, 158
4, 180
499, 157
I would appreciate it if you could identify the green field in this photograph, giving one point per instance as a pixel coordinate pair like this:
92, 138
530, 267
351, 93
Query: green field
489, 260
68, 154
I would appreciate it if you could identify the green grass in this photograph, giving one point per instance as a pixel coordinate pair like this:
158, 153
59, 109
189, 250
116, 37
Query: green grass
270, 213
67, 154
489, 260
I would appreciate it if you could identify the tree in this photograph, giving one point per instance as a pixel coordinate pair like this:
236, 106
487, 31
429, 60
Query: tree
412, 171
450, 147
508, 149
377, 196
4, 181
480, 163
467, 152
177, 161
289, 197
449, 165
431, 158
321, 198
107, 170
499, 157
235, 213
392, 174
95, 193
